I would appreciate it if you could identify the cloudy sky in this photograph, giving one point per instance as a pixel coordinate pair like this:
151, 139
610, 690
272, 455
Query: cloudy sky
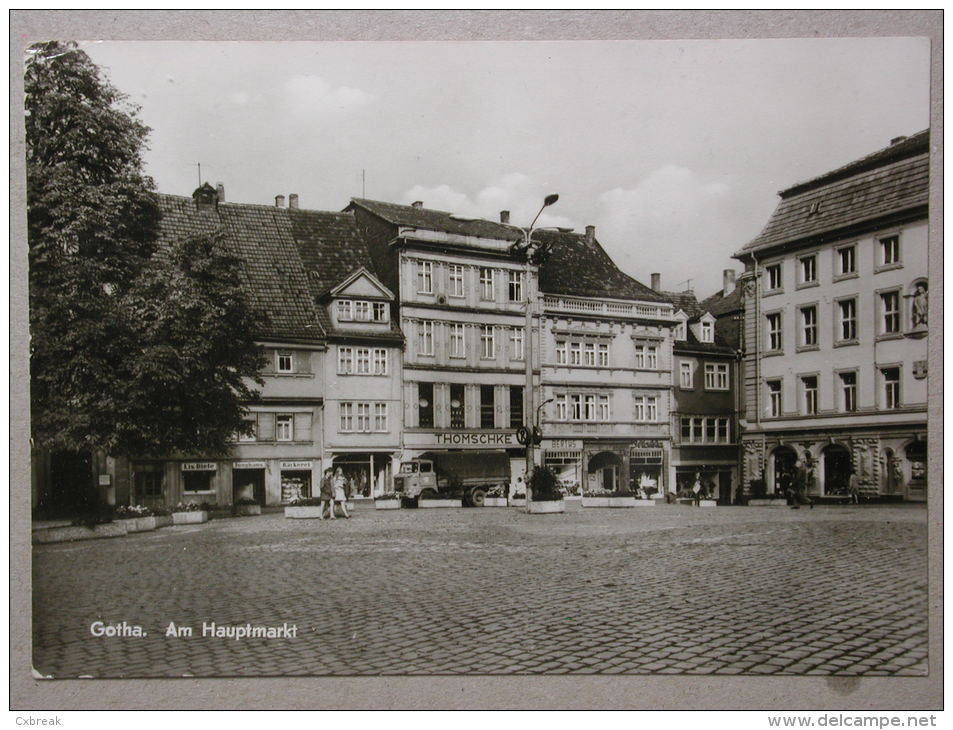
673, 150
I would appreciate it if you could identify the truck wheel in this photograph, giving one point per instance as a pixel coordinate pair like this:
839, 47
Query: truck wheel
477, 497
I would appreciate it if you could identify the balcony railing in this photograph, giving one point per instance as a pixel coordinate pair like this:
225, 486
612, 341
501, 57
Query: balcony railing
617, 309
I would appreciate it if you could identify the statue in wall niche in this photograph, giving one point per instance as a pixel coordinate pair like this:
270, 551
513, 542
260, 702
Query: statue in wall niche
921, 304
896, 470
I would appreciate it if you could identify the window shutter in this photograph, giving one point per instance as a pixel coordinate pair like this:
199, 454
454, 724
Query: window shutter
266, 426
302, 427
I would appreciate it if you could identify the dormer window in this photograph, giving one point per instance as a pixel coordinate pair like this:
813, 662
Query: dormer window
679, 331
345, 310
361, 310
380, 312
707, 332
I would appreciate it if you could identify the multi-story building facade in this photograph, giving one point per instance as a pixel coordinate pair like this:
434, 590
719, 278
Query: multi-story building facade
363, 365
606, 353
462, 292
836, 306
704, 401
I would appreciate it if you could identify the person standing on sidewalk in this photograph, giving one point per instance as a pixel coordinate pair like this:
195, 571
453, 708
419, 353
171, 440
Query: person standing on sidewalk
853, 486
800, 486
340, 493
697, 490
327, 494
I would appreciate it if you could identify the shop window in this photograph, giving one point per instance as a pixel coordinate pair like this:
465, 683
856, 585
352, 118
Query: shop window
197, 481
425, 404
516, 406
457, 405
916, 454
487, 406
148, 483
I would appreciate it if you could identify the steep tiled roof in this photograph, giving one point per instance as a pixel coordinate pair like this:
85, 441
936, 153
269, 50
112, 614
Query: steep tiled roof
438, 220
686, 301
574, 266
719, 304
891, 181
262, 238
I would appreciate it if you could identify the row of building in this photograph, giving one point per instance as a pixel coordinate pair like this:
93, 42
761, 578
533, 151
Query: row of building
396, 330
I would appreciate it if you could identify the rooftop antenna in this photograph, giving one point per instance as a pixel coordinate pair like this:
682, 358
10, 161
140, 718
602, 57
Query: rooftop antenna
688, 285
363, 181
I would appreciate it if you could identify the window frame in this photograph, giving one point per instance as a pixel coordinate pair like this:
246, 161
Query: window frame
488, 335
802, 281
515, 283
289, 355
517, 344
424, 276
425, 335
484, 283
286, 418
769, 270
706, 331
898, 398
805, 390
805, 329
775, 397
842, 389
457, 335
779, 314
839, 272
686, 367
719, 373
881, 329
456, 274
839, 320
880, 262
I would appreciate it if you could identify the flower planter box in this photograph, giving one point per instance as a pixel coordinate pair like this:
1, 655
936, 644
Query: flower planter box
768, 502
137, 524
247, 510
708, 503
495, 502
520, 502
438, 503
303, 512
546, 508
386, 504
196, 517
163, 520
71, 533
647, 502
608, 501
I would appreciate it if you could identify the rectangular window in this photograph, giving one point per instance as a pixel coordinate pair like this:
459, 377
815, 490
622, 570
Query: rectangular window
590, 353
252, 435
456, 280
458, 343
458, 404
716, 376
488, 342
603, 355
724, 435
149, 483
575, 353
711, 432
362, 311
363, 360
685, 374
562, 352
889, 250
809, 388
774, 276
848, 384
575, 407
774, 331
515, 288
380, 312
380, 361
808, 269
344, 310
285, 362
562, 404
589, 401
346, 413
516, 343
604, 408
640, 356
380, 417
284, 427
425, 277
363, 421
686, 429
707, 332
774, 398
197, 481
345, 360
651, 357
809, 326
846, 260
487, 284
425, 338
516, 406
487, 406
425, 404
891, 385
646, 408
847, 315
890, 312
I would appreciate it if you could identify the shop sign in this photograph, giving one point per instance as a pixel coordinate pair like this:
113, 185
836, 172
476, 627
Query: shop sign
296, 464
105, 480
645, 444
563, 444
248, 465
198, 466
464, 438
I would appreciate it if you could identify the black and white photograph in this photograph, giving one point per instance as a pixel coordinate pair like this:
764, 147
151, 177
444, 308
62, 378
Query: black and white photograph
604, 357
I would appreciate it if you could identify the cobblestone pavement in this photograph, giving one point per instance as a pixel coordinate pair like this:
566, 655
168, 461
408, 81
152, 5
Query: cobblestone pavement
665, 590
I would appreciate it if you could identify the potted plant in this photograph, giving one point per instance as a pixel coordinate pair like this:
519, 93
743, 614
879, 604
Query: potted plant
547, 498
246, 507
495, 497
390, 500
162, 515
607, 498
304, 508
134, 517
190, 513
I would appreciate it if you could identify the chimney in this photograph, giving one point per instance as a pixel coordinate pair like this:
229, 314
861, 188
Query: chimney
590, 235
279, 201
220, 191
293, 200
728, 282
417, 204
897, 140
656, 282
504, 216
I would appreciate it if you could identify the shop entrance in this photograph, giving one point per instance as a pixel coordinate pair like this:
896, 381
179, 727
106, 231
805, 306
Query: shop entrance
248, 484
785, 459
604, 470
916, 454
645, 472
837, 468
366, 475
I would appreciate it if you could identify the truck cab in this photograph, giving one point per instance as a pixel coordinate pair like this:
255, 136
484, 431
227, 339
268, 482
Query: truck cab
415, 476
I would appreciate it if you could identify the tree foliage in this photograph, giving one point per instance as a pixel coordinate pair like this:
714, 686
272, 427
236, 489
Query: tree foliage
131, 351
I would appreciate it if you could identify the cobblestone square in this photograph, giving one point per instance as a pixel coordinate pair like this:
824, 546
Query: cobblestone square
669, 590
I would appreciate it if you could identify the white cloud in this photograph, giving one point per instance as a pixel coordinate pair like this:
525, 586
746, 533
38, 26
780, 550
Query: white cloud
312, 93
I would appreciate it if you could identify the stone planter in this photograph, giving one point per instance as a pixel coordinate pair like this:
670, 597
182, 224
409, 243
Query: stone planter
137, 524
768, 502
246, 510
495, 502
163, 520
196, 517
519, 502
647, 502
386, 504
303, 512
608, 501
708, 503
546, 508
438, 503
71, 533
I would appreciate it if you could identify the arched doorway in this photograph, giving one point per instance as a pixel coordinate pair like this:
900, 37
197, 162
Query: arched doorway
916, 453
785, 459
837, 468
892, 478
604, 470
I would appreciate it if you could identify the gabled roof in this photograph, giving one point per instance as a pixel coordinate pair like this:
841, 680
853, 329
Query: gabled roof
438, 220
330, 246
684, 301
575, 266
890, 182
719, 304
354, 276
262, 238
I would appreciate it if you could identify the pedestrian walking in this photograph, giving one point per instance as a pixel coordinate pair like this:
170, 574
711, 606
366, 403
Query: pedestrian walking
327, 494
853, 486
340, 493
800, 486
697, 490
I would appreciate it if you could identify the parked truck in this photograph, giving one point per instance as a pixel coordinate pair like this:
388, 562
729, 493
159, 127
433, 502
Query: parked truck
467, 475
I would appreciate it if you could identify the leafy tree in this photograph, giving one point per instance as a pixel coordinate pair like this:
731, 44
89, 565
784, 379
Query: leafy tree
131, 351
